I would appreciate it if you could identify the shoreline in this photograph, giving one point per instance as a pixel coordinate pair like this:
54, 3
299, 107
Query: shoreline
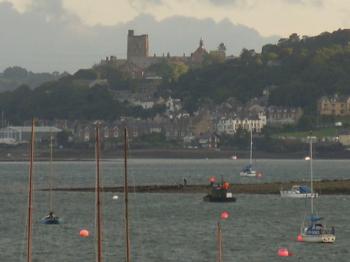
12, 154
324, 187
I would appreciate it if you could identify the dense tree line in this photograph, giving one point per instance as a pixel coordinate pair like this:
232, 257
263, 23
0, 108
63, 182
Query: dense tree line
297, 71
64, 99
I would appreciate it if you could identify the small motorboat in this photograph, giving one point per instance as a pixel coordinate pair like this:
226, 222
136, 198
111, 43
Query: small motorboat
219, 193
50, 219
298, 191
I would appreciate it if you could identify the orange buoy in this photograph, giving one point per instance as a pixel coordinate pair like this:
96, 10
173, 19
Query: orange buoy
226, 186
84, 233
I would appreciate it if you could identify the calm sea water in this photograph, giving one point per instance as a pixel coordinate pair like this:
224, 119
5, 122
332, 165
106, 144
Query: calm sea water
169, 227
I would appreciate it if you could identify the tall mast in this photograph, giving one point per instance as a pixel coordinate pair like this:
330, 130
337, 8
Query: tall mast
50, 175
30, 197
98, 200
219, 243
126, 211
311, 177
251, 146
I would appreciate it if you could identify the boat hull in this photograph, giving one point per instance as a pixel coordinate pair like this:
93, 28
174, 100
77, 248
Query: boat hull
248, 174
292, 194
321, 238
209, 198
50, 221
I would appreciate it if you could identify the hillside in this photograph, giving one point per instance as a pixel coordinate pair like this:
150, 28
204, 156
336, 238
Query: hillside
296, 71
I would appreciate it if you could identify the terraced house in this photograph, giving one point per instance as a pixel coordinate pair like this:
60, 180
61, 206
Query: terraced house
334, 106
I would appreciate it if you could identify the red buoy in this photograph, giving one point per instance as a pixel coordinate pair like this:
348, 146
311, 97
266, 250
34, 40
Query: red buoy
84, 233
224, 215
284, 252
212, 179
300, 238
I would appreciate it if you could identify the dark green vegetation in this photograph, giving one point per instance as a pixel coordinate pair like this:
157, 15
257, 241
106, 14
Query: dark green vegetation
68, 98
13, 77
295, 71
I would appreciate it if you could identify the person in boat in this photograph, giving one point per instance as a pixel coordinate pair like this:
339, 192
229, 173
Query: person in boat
50, 216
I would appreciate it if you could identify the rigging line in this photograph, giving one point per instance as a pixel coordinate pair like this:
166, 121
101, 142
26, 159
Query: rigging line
98, 200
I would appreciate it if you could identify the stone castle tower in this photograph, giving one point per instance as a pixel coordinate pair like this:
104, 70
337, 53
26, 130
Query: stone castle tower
137, 46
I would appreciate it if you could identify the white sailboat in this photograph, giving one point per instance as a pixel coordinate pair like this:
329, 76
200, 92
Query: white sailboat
312, 230
248, 170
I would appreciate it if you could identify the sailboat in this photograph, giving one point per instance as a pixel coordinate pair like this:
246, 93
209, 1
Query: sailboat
248, 170
312, 230
51, 218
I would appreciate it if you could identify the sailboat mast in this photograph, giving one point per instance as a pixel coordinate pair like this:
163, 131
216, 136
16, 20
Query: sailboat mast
311, 177
219, 243
30, 197
126, 211
98, 200
50, 175
251, 146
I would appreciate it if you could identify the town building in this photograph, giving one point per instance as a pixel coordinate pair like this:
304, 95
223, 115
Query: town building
344, 138
334, 106
138, 58
137, 45
280, 116
22, 134
229, 125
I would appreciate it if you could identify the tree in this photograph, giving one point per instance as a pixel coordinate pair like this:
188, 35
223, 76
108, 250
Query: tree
15, 72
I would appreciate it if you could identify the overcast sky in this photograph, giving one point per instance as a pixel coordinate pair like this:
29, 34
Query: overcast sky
48, 35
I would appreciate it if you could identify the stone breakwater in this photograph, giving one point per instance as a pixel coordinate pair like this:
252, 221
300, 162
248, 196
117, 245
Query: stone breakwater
324, 187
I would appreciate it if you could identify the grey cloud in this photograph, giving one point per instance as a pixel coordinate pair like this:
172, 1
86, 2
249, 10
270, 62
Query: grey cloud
306, 2
31, 40
140, 5
223, 2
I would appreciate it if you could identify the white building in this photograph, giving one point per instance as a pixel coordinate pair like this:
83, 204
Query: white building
22, 134
230, 125
173, 105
